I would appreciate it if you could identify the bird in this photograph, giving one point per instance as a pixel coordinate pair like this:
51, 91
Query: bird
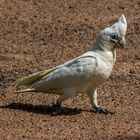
83, 74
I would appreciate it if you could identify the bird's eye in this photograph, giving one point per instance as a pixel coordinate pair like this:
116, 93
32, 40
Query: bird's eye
114, 37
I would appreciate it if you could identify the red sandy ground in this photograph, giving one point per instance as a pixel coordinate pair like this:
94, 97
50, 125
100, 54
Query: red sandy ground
39, 34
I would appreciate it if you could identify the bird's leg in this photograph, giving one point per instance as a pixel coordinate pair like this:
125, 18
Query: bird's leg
57, 109
94, 103
57, 106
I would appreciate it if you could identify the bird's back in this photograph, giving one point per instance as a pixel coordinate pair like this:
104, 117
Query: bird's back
88, 70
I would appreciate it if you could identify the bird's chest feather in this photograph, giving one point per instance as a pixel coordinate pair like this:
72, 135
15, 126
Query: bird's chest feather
102, 72
104, 69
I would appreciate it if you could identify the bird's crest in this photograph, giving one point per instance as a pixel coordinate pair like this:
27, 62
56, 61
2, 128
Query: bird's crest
121, 26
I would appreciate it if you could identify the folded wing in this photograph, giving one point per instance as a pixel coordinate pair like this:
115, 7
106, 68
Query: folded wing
71, 74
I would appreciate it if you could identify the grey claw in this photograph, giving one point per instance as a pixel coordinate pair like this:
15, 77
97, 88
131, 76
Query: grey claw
56, 112
103, 110
57, 109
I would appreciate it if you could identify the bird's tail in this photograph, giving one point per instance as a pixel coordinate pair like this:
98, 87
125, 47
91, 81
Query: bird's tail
25, 90
29, 80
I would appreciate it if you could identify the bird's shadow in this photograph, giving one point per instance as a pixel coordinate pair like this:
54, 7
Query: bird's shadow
41, 109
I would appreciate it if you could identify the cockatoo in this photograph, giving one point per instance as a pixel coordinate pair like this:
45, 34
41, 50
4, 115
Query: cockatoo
83, 74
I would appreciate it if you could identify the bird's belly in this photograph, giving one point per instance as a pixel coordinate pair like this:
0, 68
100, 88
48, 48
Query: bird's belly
73, 90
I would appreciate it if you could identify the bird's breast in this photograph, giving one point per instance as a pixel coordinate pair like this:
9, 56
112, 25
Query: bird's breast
101, 73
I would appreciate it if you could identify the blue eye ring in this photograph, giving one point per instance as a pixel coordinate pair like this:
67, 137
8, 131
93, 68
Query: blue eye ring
114, 37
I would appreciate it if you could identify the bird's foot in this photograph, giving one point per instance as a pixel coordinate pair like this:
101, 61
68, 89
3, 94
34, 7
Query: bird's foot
103, 110
57, 109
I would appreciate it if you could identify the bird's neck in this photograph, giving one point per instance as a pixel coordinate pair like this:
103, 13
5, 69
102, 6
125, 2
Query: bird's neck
107, 53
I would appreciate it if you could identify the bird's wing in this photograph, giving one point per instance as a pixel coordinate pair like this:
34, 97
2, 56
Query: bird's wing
32, 78
71, 74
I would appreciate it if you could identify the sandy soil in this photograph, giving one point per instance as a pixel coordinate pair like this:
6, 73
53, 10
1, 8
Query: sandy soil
40, 34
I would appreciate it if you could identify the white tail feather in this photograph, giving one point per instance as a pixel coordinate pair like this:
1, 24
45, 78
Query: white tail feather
25, 90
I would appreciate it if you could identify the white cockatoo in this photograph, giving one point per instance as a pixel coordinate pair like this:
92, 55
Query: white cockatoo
83, 74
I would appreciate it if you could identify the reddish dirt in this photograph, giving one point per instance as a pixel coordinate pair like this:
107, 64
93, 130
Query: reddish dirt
40, 34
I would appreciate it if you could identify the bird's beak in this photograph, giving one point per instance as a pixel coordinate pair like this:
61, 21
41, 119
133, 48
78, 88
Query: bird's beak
122, 43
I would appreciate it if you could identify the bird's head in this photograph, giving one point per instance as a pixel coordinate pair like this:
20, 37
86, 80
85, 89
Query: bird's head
113, 36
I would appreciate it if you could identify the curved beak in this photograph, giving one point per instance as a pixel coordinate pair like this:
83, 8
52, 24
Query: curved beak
122, 42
